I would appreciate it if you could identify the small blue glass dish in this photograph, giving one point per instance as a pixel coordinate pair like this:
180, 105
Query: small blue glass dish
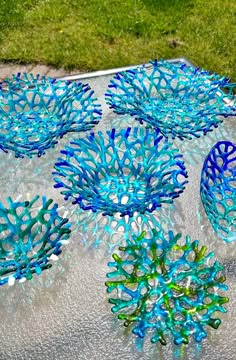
218, 189
181, 101
36, 111
124, 171
32, 235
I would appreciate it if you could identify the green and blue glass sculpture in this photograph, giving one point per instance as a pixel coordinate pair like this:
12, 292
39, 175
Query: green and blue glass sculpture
164, 286
31, 238
218, 189
124, 171
180, 100
36, 111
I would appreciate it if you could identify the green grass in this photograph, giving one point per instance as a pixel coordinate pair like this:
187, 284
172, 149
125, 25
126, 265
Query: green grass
97, 34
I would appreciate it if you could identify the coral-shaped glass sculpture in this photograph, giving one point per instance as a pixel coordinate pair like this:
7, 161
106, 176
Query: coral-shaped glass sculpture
180, 100
31, 236
164, 286
218, 189
125, 171
36, 111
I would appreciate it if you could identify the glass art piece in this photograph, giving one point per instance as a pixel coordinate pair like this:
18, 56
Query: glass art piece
180, 100
31, 238
218, 189
36, 111
166, 286
125, 171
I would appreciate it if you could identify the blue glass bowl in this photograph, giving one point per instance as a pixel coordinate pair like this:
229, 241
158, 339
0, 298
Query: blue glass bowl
125, 171
164, 285
218, 189
180, 100
36, 111
31, 238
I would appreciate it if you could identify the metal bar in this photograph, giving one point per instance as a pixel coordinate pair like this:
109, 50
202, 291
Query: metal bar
113, 71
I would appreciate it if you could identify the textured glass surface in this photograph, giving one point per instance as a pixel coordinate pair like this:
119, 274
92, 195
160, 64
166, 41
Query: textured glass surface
179, 100
103, 234
218, 189
36, 111
31, 236
63, 314
125, 171
163, 285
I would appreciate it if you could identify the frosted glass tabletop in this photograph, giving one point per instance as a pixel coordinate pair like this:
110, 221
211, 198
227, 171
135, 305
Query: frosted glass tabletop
64, 313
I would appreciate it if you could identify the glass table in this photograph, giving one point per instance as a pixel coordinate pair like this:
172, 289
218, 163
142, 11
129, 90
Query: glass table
64, 314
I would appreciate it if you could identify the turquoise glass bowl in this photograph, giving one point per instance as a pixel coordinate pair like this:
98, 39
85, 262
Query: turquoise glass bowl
218, 189
124, 171
32, 233
36, 111
165, 286
181, 101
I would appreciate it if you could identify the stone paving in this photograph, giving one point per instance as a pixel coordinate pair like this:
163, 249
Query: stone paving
8, 69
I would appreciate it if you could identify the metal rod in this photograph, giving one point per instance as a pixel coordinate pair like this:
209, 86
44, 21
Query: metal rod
113, 71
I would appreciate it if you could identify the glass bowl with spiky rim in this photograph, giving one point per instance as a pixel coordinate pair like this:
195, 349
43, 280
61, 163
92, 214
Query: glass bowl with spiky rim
218, 189
121, 172
31, 236
37, 111
164, 286
182, 101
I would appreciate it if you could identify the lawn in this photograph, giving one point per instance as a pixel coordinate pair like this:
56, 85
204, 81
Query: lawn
101, 34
